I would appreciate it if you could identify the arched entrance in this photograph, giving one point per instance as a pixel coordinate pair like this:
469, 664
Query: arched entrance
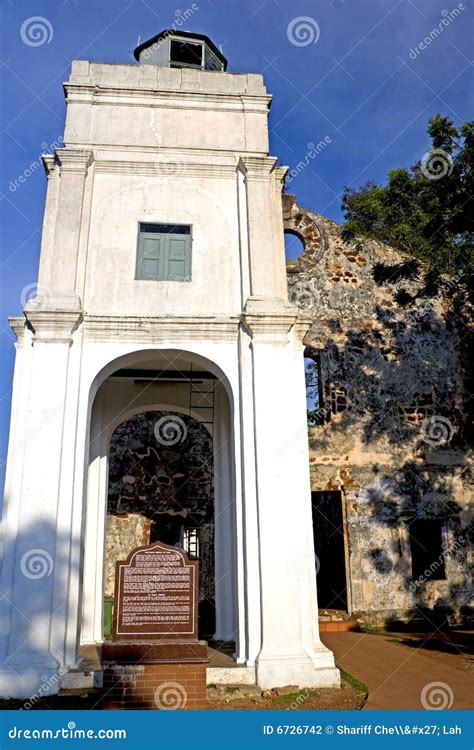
180, 491
161, 487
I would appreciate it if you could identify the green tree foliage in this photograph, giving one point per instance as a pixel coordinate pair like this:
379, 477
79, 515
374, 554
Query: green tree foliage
427, 211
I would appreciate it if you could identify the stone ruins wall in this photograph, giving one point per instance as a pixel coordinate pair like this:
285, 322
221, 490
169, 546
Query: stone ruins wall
160, 483
392, 433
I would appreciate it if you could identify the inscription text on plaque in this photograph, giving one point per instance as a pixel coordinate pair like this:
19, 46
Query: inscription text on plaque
156, 594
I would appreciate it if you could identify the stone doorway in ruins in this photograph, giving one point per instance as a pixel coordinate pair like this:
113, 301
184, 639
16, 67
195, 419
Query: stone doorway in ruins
330, 549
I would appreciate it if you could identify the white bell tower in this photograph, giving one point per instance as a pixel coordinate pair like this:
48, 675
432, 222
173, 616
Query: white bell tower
162, 250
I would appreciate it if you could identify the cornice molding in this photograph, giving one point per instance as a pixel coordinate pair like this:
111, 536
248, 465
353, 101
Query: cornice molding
53, 326
160, 329
170, 99
280, 174
17, 324
301, 328
274, 321
166, 167
257, 168
49, 164
268, 329
101, 149
73, 160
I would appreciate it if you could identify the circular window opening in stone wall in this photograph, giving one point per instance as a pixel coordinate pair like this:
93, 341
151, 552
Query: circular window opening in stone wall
294, 245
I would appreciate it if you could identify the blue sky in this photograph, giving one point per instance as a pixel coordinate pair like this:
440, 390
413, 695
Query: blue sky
351, 72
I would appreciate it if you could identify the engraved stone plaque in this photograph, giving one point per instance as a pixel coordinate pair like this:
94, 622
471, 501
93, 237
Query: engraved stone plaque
156, 590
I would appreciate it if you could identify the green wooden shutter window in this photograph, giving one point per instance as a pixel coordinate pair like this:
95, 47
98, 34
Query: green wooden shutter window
164, 252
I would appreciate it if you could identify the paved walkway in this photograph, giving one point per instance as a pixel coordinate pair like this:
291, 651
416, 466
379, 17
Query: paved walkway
396, 675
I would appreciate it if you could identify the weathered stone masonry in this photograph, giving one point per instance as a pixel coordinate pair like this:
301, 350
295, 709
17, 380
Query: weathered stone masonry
393, 405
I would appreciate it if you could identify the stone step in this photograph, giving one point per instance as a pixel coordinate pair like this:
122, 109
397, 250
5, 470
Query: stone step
230, 675
82, 680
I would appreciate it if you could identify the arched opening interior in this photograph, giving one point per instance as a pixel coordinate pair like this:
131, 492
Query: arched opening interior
161, 488
161, 467
294, 245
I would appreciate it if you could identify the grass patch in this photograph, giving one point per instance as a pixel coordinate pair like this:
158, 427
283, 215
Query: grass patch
359, 687
370, 629
298, 699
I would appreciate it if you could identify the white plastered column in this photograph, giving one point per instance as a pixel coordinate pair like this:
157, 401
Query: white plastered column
60, 257
290, 650
38, 542
224, 519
